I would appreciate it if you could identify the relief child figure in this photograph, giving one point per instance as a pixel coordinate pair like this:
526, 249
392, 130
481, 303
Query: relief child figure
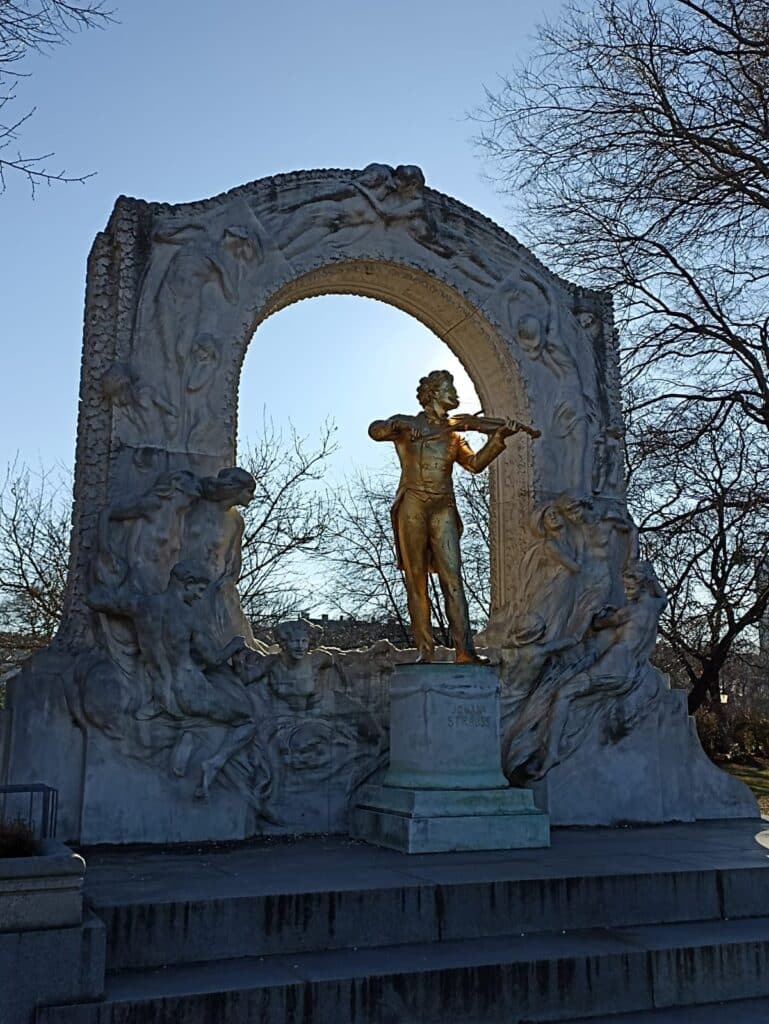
309, 732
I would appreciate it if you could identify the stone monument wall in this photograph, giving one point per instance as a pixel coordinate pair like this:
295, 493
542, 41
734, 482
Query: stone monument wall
145, 712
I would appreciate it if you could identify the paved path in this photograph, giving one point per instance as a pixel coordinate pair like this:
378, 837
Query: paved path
320, 863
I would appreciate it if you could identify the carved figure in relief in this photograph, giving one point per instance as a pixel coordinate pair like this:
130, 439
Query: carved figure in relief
606, 678
398, 197
195, 278
571, 570
203, 270
145, 408
212, 535
620, 673
171, 647
291, 675
537, 325
425, 519
192, 285
550, 576
550, 572
534, 341
145, 534
607, 459
379, 194
200, 409
632, 627
304, 724
606, 540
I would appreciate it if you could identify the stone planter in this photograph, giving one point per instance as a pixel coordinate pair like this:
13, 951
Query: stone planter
43, 890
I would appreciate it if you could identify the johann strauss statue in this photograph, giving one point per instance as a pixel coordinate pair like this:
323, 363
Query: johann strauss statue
425, 518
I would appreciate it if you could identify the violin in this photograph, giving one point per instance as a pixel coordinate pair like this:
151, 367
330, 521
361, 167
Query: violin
488, 424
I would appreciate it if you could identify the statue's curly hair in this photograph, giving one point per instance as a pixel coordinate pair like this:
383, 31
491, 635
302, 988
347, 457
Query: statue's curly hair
429, 385
283, 630
232, 478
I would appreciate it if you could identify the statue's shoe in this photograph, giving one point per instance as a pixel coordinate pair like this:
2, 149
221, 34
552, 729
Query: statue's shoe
471, 659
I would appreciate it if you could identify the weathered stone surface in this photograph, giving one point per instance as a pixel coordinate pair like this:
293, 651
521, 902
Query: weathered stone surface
327, 930
444, 728
447, 832
41, 891
656, 772
154, 686
50, 965
444, 789
279, 896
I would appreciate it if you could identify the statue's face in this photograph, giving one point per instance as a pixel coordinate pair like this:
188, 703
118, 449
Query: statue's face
193, 591
446, 393
295, 641
235, 488
245, 495
552, 518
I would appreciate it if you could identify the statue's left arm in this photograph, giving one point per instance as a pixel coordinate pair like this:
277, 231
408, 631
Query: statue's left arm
476, 462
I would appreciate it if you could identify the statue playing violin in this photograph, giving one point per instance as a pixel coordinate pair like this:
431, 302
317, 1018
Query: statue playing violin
425, 519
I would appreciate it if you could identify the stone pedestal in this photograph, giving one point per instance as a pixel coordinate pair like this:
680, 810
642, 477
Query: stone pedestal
444, 789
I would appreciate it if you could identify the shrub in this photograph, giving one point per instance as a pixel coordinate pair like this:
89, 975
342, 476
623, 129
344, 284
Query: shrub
737, 734
17, 839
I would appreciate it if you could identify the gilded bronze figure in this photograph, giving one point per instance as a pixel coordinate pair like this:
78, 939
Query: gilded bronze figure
425, 519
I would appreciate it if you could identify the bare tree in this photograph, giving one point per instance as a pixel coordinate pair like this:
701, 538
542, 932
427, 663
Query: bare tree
34, 546
702, 498
35, 26
636, 140
473, 501
289, 522
363, 575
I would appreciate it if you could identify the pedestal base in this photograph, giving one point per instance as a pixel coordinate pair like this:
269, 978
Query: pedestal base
447, 820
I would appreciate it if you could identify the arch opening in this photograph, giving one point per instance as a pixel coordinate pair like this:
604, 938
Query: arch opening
312, 382
481, 351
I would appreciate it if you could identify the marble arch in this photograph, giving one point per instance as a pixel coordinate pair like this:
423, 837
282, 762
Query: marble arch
175, 294
143, 712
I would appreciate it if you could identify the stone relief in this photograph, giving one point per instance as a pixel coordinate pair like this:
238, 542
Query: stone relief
603, 679
563, 372
187, 309
608, 450
379, 195
185, 686
162, 676
571, 568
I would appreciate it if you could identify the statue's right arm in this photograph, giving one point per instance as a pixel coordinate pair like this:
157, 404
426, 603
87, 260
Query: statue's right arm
388, 430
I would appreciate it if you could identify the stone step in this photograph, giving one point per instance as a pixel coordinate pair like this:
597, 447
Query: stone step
512, 979
743, 1011
225, 920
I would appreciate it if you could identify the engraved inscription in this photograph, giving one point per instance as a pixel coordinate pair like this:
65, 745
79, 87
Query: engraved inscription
470, 715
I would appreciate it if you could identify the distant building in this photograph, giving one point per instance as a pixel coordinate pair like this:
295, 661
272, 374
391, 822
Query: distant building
348, 633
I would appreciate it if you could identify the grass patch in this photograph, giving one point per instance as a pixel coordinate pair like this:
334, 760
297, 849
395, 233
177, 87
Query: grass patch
756, 776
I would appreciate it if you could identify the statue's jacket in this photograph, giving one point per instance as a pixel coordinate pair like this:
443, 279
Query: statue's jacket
427, 449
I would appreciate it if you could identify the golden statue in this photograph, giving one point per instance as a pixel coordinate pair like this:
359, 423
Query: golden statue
425, 518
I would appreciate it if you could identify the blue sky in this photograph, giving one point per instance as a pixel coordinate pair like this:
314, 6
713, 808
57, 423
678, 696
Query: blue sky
181, 100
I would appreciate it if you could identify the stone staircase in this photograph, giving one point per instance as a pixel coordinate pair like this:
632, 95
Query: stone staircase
643, 926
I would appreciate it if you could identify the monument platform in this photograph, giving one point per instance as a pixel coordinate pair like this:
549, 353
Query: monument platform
443, 820
663, 924
444, 789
